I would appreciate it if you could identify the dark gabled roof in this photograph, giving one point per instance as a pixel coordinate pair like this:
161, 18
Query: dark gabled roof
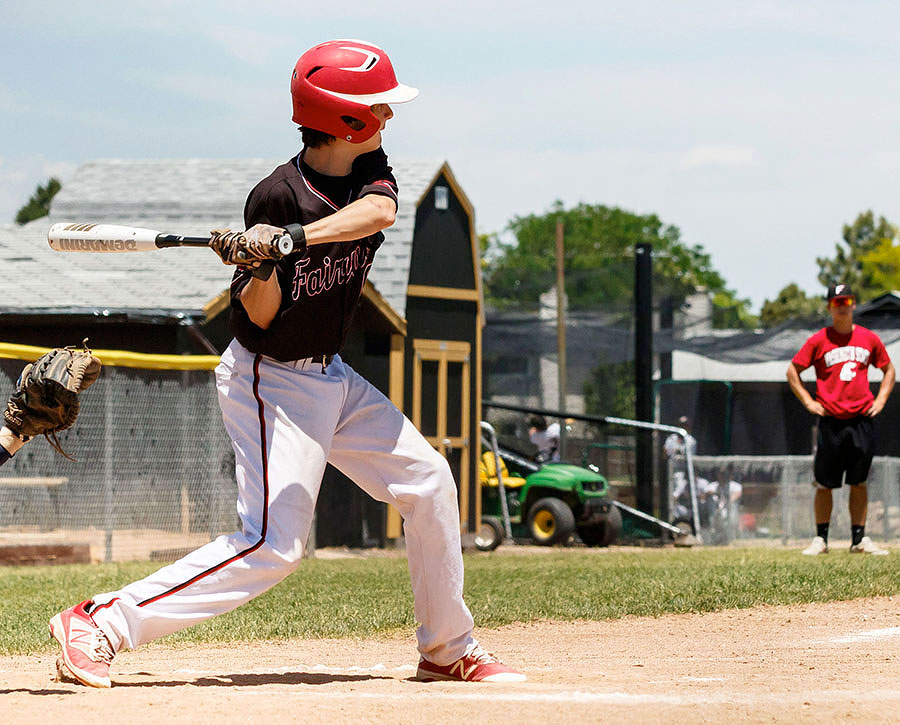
888, 303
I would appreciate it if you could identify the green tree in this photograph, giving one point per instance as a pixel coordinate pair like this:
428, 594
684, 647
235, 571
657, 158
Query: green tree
867, 259
882, 266
610, 390
864, 239
791, 303
599, 261
729, 312
39, 203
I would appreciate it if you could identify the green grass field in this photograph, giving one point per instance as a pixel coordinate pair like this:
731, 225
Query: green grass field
365, 597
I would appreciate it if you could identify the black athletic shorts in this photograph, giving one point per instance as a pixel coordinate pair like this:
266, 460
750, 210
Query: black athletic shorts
844, 445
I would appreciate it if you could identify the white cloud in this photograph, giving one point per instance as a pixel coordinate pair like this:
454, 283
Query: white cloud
718, 156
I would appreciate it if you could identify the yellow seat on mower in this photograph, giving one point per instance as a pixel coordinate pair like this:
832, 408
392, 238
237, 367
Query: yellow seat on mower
487, 472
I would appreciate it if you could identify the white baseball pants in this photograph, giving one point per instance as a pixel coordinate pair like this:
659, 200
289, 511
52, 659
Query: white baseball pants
286, 420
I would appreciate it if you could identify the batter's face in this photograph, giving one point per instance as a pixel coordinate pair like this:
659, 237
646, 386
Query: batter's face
383, 113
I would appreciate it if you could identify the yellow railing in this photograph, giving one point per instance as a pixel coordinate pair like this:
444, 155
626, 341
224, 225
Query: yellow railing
120, 358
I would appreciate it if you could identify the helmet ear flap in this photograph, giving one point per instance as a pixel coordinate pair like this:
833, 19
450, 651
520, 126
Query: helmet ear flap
357, 126
354, 123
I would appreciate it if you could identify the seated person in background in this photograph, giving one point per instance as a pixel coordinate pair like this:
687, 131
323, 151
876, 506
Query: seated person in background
681, 494
674, 443
545, 437
730, 491
727, 483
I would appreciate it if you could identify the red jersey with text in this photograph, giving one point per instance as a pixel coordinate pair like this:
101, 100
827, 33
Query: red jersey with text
841, 362
320, 290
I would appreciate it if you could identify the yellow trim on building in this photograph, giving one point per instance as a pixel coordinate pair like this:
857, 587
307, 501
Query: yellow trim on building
394, 525
444, 352
382, 305
217, 304
120, 358
473, 236
442, 293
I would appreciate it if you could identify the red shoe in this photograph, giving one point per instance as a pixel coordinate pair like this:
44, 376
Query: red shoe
85, 649
476, 665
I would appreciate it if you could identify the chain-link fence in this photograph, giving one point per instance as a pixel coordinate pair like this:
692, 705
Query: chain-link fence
771, 497
154, 475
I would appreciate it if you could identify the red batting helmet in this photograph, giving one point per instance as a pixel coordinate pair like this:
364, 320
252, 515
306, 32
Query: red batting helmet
342, 79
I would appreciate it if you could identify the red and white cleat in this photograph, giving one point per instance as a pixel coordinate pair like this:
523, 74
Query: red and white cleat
86, 651
477, 665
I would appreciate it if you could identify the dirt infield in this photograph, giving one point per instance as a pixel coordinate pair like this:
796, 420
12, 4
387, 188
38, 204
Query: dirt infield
835, 662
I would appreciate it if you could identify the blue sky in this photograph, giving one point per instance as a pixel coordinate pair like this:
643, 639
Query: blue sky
758, 128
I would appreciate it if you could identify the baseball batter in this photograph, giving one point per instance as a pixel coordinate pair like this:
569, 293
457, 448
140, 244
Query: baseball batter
845, 443
291, 405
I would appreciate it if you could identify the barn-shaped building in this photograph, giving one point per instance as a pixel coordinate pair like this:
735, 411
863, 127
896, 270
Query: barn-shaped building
417, 333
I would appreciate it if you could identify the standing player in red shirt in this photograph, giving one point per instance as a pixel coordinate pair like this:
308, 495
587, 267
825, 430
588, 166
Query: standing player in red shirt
845, 405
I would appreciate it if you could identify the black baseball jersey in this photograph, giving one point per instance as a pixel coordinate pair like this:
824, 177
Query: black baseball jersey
320, 289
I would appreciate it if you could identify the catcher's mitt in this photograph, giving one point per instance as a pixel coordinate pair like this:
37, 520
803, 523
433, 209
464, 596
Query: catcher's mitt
45, 400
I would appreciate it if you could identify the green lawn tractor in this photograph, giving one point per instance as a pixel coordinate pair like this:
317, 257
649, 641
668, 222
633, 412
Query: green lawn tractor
543, 504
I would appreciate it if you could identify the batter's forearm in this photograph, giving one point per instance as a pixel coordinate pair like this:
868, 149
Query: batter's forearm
360, 219
262, 300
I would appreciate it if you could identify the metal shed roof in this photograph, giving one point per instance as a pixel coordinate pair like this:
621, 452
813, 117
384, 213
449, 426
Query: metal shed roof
187, 197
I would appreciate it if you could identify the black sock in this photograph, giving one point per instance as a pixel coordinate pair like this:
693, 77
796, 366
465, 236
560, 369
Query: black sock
822, 530
857, 533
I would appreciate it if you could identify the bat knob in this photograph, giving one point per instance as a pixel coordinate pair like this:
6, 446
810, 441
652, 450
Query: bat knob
284, 244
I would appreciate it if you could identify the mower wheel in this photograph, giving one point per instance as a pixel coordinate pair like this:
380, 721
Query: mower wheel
603, 533
550, 521
490, 534
687, 527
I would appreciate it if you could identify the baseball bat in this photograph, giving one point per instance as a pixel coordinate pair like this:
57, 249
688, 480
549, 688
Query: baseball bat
116, 238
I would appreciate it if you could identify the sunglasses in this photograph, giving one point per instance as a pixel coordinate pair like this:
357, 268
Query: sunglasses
842, 302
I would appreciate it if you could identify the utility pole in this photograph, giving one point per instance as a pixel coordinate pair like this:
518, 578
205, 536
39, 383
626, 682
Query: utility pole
643, 373
561, 331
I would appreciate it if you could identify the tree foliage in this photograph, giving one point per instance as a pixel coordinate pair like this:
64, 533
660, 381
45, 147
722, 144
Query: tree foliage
599, 247
867, 258
610, 390
791, 303
882, 266
39, 203
863, 240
